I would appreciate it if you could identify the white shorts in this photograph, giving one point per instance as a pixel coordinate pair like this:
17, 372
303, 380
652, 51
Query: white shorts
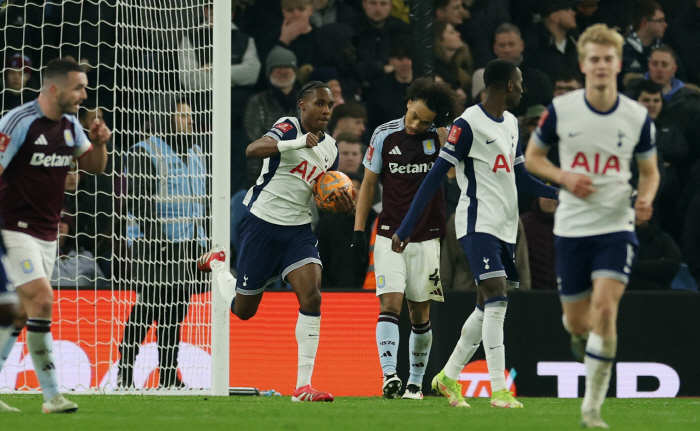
28, 258
415, 272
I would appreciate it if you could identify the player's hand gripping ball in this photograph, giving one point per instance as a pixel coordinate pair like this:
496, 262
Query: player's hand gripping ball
328, 187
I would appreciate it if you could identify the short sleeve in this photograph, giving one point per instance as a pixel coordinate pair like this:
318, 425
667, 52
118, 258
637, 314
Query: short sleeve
82, 143
373, 157
459, 142
283, 130
545, 135
646, 147
13, 131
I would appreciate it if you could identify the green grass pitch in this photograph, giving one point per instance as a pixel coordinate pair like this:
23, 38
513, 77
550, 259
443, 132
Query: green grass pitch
197, 413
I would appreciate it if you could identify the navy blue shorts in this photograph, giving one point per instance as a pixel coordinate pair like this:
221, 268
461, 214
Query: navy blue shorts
582, 260
489, 257
267, 251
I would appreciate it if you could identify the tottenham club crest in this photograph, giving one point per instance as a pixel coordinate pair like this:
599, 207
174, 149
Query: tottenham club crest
429, 146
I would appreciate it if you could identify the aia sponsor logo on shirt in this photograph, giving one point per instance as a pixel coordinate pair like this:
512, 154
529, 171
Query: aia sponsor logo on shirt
284, 127
4, 142
453, 137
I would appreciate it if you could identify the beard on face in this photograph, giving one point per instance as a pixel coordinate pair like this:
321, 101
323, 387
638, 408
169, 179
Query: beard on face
66, 106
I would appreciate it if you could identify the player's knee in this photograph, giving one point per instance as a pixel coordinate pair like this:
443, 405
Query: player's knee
578, 326
606, 312
310, 301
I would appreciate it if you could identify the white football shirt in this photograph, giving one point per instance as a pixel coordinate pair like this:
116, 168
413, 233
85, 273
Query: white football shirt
484, 151
282, 192
599, 145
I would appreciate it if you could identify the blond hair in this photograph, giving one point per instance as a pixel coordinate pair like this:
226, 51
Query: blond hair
600, 34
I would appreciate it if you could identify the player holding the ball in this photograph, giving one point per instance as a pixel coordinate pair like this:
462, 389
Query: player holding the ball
401, 153
275, 233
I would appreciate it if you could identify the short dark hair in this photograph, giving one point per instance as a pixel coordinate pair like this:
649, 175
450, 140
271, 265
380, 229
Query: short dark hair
568, 75
349, 138
647, 86
440, 4
498, 73
507, 27
665, 48
60, 67
350, 109
439, 97
311, 86
401, 46
643, 10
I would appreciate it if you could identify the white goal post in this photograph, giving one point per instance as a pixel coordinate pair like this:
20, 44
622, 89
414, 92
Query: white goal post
145, 60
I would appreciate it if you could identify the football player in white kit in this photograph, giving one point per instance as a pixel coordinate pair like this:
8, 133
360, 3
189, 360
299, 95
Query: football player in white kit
484, 146
275, 233
597, 131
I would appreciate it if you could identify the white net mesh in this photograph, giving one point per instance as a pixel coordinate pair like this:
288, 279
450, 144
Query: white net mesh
130, 309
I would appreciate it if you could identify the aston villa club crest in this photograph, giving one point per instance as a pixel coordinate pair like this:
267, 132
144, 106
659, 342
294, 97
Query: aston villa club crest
68, 136
429, 146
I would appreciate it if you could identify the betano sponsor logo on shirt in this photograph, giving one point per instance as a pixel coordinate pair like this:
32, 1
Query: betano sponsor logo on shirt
50, 160
410, 168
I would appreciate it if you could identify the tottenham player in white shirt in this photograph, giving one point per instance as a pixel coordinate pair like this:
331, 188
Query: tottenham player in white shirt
597, 131
275, 233
483, 145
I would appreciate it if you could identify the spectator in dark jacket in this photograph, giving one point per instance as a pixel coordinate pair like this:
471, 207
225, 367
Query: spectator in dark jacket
384, 92
684, 36
550, 45
691, 236
537, 88
539, 226
375, 30
333, 11
658, 259
645, 33
334, 232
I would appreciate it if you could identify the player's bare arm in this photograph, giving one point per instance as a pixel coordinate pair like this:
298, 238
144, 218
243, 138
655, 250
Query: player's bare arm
442, 135
364, 203
267, 146
364, 199
647, 187
537, 163
95, 161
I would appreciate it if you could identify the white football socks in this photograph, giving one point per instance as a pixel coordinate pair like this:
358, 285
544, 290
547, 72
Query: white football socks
40, 345
225, 280
466, 346
492, 333
419, 347
307, 332
388, 341
600, 355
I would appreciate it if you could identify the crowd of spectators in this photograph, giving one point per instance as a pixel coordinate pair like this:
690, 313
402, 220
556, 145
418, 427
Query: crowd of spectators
364, 49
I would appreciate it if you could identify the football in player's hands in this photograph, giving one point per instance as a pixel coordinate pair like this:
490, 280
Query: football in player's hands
330, 188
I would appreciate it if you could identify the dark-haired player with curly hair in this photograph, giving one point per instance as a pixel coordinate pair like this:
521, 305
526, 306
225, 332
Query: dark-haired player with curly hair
484, 146
401, 153
275, 232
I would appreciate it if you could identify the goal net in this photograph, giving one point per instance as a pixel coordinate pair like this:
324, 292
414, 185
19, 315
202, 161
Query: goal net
131, 311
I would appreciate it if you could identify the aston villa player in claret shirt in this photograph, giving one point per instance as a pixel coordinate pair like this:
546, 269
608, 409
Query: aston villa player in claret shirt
38, 142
